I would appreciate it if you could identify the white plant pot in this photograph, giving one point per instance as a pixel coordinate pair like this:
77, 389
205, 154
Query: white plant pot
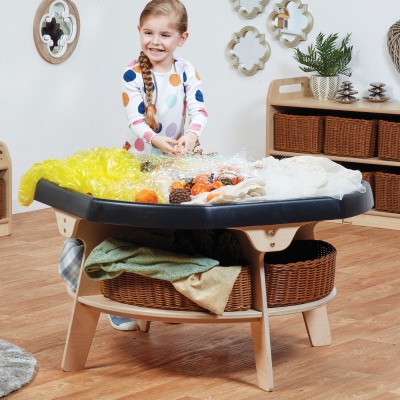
324, 87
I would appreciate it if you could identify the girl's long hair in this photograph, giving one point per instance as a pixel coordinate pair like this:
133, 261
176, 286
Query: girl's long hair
177, 12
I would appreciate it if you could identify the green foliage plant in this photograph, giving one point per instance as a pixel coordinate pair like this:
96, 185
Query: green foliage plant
326, 57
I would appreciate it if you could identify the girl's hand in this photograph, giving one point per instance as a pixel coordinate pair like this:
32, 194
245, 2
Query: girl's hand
187, 142
165, 144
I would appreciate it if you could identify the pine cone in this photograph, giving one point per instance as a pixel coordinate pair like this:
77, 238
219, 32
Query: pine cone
225, 180
178, 196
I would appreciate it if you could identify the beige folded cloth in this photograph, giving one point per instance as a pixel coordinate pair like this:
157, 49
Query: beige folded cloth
252, 189
209, 289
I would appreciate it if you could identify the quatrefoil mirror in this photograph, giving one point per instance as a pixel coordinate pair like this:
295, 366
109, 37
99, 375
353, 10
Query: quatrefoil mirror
248, 50
56, 30
249, 8
290, 22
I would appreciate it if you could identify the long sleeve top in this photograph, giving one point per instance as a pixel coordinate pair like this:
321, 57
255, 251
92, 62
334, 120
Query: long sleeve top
177, 95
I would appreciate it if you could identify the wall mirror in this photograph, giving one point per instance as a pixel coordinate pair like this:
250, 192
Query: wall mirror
290, 22
249, 8
56, 30
248, 50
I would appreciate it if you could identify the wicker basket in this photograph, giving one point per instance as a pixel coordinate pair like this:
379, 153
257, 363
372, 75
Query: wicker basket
302, 273
369, 176
350, 137
142, 291
2, 198
298, 133
387, 192
389, 140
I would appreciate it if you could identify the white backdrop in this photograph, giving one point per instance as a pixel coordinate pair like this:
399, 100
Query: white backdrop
51, 111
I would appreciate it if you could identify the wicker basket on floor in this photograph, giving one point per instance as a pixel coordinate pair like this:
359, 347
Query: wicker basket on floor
298, 133
2, 198
389, 140
142, 291
350, 137
387, 192
302, 273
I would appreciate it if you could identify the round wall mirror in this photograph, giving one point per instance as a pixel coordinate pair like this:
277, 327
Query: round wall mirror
56, 30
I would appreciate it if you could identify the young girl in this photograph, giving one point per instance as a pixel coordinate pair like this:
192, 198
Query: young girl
159, 90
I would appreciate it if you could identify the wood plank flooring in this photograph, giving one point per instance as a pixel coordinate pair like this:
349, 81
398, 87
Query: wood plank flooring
208, 362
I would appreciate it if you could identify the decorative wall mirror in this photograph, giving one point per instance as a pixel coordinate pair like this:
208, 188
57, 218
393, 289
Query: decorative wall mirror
249, 8
56, 30
290, 22
248, 50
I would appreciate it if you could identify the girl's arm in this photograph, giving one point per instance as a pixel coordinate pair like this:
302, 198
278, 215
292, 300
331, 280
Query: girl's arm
195, 109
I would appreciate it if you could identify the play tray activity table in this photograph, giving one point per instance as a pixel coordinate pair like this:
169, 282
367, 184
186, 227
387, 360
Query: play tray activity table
261, 227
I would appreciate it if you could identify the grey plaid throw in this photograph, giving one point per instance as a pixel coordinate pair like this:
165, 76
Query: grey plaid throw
70, 261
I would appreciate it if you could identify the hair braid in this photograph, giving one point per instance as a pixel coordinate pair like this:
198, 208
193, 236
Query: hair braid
145, 66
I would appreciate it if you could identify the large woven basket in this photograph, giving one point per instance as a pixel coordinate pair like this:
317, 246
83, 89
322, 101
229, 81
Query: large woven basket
350, 137
369, 176
389, 140
387, 192
139, 290
298, 133
2, 198
302, 273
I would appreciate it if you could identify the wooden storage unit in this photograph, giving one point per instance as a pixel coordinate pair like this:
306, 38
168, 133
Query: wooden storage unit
5, 191
293, 96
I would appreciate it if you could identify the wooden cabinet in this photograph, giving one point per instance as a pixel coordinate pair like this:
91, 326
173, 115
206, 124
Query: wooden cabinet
5, 191
293, 96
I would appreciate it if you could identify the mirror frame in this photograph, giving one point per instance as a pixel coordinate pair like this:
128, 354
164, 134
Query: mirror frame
236, 60
43, 47
256, 10
282, 36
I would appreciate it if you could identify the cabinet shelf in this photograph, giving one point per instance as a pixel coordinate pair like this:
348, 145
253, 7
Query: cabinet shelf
293, 95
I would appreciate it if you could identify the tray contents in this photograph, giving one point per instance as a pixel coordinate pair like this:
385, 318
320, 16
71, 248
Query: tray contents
115, 174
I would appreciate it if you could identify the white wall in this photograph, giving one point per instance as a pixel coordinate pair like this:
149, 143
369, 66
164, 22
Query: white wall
52, 111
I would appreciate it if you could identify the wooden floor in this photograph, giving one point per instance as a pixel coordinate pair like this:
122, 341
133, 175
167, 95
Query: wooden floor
208, 362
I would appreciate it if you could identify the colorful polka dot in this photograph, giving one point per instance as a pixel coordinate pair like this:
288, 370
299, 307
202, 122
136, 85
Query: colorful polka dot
171, 130
171, 101
139, 145
147, 136
138, 122
199, 96
137, 69
159, 129
174, 80
184, 77
195, 127
129, 76
204, 112
133, 63
197, 76
125, 99
141, 108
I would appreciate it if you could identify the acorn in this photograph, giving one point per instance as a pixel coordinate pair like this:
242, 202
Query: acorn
178, 196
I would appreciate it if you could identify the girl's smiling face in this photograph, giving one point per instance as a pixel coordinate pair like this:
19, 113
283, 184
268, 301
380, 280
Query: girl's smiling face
158, 39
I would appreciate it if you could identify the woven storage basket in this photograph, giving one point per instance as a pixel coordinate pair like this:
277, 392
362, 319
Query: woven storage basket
370, 178
298, 133
389, 140
387, 192
142, 291
350, 137
302, 273
2, 198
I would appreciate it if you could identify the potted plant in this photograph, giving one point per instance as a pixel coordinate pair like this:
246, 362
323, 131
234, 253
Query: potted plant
329, 60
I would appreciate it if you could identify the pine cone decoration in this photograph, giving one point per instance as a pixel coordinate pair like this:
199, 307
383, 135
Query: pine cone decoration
225, 180
178, 196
